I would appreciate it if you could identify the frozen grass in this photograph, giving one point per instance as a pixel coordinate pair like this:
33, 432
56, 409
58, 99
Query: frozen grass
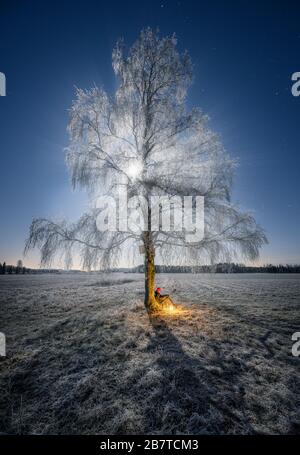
84, 357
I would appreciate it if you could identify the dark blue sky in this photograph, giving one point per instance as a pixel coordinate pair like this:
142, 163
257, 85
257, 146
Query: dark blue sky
244, 54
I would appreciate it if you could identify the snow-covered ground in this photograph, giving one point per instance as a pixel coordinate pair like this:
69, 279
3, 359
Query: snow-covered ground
84, 357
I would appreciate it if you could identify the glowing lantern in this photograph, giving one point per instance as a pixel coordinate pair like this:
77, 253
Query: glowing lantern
171, 307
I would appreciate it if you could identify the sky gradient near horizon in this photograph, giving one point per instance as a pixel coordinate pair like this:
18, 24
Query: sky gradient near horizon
244, 54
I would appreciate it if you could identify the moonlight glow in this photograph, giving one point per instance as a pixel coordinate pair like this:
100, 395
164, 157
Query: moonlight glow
134, 170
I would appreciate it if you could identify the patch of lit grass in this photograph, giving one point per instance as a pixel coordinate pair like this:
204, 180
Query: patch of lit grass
174, 310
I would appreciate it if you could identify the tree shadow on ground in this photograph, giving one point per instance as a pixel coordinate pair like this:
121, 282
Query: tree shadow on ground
185, 397
180, 389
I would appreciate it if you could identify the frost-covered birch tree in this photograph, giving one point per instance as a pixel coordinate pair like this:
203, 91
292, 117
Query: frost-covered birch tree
145, 142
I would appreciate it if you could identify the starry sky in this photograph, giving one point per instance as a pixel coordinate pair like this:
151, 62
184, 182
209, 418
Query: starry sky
244, 54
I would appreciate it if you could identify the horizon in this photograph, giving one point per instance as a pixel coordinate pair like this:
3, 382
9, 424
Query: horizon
119, 268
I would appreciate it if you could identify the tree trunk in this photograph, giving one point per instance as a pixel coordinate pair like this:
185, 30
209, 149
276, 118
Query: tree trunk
150, 301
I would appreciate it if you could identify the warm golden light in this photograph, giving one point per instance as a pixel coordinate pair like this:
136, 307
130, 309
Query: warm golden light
174, 310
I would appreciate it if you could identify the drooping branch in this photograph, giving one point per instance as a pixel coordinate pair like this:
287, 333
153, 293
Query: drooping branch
82, 238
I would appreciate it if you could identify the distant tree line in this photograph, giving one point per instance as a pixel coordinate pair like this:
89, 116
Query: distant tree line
10, 269
216, 268
221, 268
19, 269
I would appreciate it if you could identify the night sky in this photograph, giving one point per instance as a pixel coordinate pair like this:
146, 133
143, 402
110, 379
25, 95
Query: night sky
244, 54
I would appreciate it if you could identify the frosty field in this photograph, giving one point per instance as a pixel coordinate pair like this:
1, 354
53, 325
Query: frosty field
83, 356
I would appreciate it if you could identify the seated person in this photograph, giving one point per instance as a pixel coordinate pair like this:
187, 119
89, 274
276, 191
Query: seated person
165, 298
